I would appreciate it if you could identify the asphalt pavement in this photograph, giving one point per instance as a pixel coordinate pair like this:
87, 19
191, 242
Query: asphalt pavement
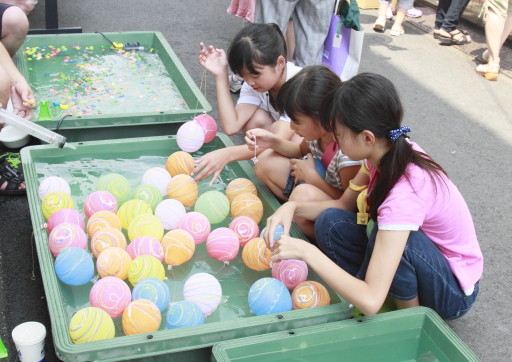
463, 121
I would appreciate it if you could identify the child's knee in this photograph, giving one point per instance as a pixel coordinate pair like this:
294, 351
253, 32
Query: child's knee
260, 119
15, 21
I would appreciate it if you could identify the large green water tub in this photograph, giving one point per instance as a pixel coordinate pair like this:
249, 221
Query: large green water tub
416, 334
233, 319
100, 92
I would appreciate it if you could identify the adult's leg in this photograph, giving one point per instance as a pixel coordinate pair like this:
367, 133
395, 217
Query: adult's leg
341, 239
453, 13
494, 29
442, 9
305, 192
5, 90
275, 11
14, 29
311, 20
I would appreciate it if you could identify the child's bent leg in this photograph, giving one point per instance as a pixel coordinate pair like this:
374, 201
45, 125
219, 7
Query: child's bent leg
260, 119
424, 274
273, 169
307, 192
341, 239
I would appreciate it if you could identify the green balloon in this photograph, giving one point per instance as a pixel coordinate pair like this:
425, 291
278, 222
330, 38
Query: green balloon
214, 205
149, 193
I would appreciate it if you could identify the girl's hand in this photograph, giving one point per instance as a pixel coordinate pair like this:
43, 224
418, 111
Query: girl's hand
211, 163
290, 248
282, 216
213, 60
259, 138
22, 98
303, 169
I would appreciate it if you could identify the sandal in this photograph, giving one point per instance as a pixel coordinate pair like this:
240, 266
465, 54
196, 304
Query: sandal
455, 37
437, 34
489, 71
12, 181
395, 32
380, 25
414, 13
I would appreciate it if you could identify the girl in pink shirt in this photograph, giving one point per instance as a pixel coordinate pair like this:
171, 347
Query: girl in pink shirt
401, 230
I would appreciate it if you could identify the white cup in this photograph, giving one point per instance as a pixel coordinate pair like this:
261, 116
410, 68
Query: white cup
29, 340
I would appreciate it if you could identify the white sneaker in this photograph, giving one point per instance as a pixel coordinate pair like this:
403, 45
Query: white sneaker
235, 83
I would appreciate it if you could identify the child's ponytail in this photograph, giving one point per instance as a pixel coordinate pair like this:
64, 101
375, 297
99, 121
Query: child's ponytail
260, 44
370, 102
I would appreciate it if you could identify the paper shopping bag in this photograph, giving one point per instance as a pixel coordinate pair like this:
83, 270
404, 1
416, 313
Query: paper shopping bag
343, 45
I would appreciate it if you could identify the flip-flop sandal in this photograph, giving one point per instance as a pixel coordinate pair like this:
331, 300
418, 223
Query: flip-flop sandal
11, 174
451, 40
414, 13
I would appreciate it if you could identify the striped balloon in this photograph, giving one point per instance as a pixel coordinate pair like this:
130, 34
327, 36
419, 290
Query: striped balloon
204, 290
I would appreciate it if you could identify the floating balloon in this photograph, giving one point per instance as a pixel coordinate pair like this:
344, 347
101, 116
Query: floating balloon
102, 219
169, 212
184, 189
309, 294
239, 186
154, 290
65, 235
105, 238
145, 266
91, 324
223, 244
245, 228
65, 215
268, 296
117, 185
99, 200
145, 225
55, 201
148, 193
204, 290
74, 266
141, 316
145, 245
113, 262
184, 314
179, 162
132, 208
196, 224
51, 184
158, 177
214, 205
178, 246
247, 205
110, 294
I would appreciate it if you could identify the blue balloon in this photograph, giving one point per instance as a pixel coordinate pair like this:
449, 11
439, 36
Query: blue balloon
154, 290
268, 296
184, 314
74, 266
278, 232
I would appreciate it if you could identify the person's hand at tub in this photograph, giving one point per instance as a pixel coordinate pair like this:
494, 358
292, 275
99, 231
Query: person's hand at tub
22, 98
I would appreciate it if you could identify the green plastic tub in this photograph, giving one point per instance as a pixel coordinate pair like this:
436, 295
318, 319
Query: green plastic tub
102, 93
233, 319
416, 334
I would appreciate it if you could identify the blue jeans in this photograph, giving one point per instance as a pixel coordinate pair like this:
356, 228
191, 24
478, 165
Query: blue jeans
448, 14
423, 271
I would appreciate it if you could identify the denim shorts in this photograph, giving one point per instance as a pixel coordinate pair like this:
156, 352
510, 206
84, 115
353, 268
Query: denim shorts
423, 270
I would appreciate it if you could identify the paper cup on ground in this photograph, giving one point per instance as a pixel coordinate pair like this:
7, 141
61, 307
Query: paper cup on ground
29, 339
